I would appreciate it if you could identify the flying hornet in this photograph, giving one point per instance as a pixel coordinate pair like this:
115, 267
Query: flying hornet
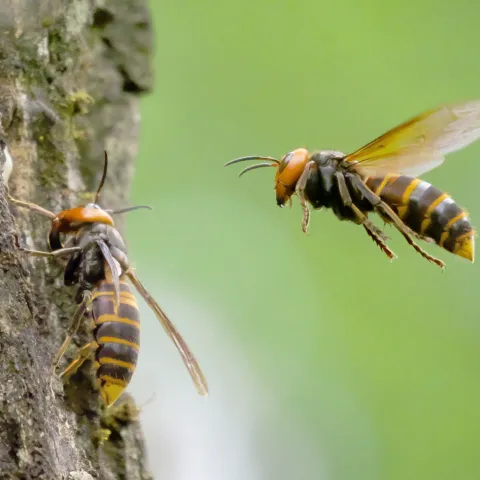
382, 177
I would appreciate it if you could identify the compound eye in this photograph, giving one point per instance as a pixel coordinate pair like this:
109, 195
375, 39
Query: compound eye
285, 161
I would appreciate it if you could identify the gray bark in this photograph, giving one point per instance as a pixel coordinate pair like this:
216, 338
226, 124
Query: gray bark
71, 74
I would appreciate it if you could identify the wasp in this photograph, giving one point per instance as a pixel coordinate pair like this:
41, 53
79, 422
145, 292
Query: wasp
96, 260
382, 177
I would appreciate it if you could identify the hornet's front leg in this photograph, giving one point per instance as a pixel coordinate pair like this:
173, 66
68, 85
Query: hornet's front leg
45, 213
32, 206
55, 253
300, 191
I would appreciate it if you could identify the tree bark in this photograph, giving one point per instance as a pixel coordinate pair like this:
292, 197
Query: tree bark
71, 74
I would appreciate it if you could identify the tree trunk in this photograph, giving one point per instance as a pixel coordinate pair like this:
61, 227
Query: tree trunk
71, 73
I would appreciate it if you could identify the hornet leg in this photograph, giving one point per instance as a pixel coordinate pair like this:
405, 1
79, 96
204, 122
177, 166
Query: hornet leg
373, 232
422, 252
55, 253
32, 206
84, 354
343, 190
72, 329
377, 236
300, 191
385, 211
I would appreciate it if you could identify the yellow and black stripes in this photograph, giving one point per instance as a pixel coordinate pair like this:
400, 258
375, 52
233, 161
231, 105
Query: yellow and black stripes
427, 211
117, 336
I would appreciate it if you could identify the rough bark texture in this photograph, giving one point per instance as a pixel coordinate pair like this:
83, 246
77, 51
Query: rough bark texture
71, 73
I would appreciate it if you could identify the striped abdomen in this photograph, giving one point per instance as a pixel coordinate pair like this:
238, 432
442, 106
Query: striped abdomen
427, 211
117, 336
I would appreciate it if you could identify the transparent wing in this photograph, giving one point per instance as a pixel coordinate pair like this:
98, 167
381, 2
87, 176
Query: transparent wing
115, 274
421, 143
187, 356
409, 162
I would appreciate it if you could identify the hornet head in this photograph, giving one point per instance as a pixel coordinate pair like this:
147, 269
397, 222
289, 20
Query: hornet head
289, 170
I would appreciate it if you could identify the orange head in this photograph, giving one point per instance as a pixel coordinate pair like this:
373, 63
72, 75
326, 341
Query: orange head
289, 170
73, 219
69, 221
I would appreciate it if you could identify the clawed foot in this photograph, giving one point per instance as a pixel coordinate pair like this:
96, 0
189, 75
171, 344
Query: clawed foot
306, 219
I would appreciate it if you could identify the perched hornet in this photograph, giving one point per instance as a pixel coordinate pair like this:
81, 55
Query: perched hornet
381, 177
98, 263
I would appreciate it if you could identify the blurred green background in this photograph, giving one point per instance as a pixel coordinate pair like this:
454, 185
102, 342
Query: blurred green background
324, 360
